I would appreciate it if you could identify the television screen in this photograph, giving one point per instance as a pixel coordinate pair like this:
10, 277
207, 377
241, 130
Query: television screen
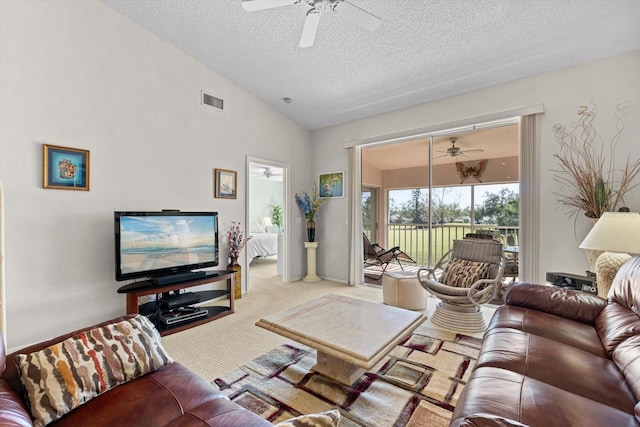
151, 244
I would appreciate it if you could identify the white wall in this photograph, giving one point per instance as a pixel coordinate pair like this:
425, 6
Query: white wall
78, 74
264, 194
605, 83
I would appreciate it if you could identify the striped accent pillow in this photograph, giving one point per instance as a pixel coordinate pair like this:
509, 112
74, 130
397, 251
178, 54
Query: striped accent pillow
62, 377
462, 273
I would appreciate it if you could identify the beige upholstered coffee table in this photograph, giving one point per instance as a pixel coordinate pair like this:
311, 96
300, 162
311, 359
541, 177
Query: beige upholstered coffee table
350, 335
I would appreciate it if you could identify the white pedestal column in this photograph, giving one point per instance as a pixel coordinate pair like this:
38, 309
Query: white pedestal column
311, 262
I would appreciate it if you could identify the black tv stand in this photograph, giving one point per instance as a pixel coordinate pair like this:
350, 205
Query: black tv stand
178, 278
136, 290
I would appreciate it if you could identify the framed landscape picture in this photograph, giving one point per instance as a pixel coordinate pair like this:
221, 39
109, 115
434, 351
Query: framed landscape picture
331, 184
225, 183
65, 168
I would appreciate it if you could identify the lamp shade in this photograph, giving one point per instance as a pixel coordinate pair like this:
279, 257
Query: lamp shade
615, 232
266, 222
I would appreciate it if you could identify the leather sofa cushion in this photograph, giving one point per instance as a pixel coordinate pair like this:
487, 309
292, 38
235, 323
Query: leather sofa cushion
570, 304
616, 324
627, 358
570, 332
180, 398
560, 365
625, 289
511, 395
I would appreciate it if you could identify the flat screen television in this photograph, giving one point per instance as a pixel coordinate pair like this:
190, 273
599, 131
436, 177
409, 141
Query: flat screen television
155, 244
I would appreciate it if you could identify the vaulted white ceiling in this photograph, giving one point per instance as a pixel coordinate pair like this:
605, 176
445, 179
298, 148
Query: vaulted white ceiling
423, 50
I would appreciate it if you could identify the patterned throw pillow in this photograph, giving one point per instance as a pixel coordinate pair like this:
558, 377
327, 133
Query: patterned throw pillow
462, 273
61, 377
323, 419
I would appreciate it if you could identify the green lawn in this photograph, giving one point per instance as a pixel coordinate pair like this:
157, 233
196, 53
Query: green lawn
415, 240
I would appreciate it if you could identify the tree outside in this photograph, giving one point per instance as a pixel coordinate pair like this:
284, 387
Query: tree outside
497, 208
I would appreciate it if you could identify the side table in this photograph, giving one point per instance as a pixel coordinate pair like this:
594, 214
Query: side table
311, 262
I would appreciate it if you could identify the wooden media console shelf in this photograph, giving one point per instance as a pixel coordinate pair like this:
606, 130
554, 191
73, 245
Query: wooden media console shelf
152, 309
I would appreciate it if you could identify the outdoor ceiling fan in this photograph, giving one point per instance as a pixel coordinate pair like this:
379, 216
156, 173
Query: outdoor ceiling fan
454, 151
347, 10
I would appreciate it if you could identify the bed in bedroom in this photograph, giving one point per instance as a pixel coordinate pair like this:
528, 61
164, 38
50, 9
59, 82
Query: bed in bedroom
261, 244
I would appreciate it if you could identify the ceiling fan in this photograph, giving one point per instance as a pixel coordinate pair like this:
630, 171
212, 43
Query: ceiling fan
266, 172
349, 11
454, 151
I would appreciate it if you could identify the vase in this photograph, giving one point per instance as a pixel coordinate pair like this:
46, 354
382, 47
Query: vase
311, 230
237, 269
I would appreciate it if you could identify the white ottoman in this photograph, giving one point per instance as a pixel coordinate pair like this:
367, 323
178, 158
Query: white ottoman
402, 289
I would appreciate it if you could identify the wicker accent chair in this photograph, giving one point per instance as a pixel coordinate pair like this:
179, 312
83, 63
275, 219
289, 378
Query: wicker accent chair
466, 277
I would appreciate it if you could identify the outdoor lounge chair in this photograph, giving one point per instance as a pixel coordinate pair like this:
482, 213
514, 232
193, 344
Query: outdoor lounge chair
376, 255
466, 277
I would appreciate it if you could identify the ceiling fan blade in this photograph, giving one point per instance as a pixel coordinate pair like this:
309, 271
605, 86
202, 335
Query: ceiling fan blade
477, 150
253, 5
310, 28
444, 155
358, 16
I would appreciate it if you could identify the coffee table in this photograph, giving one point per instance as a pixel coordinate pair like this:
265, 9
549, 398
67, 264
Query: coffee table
350, 335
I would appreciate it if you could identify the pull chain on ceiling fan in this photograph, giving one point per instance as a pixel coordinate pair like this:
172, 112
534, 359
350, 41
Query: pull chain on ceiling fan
347, 10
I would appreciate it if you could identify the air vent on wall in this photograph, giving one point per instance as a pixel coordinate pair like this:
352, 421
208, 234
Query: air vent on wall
212, 101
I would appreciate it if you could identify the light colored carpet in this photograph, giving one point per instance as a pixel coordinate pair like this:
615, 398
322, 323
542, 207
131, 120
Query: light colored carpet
217, 347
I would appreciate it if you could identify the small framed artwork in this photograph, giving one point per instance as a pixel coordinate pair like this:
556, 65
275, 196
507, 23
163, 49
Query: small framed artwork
331, 184
65, 168
225, 183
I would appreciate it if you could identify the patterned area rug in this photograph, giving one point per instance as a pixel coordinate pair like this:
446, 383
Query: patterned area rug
417, 384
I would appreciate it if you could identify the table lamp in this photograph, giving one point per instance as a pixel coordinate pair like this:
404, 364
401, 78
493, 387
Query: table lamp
266, 223
618, 235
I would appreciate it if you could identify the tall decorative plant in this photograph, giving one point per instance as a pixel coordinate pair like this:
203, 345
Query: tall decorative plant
590, 179
310, 205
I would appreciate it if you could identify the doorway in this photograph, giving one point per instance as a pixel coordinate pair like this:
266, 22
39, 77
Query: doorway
443, 186
370, 212
266, 217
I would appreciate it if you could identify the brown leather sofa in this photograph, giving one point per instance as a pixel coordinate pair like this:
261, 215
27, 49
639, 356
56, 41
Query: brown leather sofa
169, 396
556, 357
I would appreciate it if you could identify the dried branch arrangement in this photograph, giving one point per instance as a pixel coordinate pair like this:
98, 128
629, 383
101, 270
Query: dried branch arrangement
591, 183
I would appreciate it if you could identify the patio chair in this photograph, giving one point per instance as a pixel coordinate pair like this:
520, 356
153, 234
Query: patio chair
466, 277
376, 255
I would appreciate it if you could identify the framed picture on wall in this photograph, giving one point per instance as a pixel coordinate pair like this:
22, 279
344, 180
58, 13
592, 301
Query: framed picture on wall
331, 184
65, 168
225, 183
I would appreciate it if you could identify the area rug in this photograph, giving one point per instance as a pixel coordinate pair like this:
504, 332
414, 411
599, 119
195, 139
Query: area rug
417, 384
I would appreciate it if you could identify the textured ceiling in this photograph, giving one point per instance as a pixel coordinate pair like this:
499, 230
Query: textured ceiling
424, 49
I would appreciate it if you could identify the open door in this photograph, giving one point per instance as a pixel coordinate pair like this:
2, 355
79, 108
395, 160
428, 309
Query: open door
266, 213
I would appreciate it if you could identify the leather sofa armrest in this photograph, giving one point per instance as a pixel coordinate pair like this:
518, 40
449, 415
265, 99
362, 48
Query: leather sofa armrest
486, 420
568, 303
13, 412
